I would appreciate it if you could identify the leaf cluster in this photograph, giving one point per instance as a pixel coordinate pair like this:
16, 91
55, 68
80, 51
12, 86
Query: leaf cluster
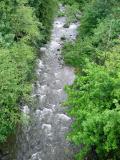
94, 98
23, 25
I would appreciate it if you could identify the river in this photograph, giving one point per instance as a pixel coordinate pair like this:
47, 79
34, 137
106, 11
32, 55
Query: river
44, 137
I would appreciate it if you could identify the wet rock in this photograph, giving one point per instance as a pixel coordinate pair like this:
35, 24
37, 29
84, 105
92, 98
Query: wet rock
73, 26
62, 120
59, 58
26, 109
63, 117
1, 156
66, 25
36, 156
63, 38
4, 155
42, 98
46, 115
40, 64
38, 112
57, 82
59, 91
55, 45
47, 128
44, 87
57, 75
58, 50
43, 49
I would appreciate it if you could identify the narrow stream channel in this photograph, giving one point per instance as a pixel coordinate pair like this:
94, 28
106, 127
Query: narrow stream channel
44, 138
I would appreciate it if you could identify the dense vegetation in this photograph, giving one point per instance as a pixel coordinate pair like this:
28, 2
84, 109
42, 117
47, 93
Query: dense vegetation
94, 98
24, 26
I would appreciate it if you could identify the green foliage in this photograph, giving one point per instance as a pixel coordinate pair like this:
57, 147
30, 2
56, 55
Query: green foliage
76, 53
94, 12
94, 98
72, 13
21, 28
45, 11
67, 2
15, 71
90, 46
80, 3
107, 30
18, 21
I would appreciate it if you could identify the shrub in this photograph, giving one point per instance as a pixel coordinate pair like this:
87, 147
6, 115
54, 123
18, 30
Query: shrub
107, 30
90, 46
72, 13
94, 98
94, 103
75, 54
45, 10
93, 13
20, 32
15, 72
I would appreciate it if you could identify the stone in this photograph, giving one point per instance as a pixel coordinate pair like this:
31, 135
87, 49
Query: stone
66, 25
63, 117
43, 49
26, 109
36, 156
63, 38
47, 129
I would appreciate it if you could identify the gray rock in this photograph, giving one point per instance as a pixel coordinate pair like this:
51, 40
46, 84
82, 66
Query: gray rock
43, 49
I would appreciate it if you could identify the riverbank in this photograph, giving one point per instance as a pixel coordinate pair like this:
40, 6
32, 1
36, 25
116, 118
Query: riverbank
21, 34
94, 97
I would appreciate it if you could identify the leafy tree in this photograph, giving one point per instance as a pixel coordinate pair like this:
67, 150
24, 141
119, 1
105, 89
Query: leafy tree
20, 32
45, 11
94, 103
94, 98
94, 12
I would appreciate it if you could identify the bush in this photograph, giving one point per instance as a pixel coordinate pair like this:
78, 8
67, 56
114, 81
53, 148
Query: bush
93, 13
90, 46
14, 74
20, 32
72, 13
107, 30
68, 2
94, 98
80, 3
75, 54
45, 11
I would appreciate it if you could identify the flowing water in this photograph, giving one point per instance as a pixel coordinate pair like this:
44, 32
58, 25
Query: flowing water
44, 137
